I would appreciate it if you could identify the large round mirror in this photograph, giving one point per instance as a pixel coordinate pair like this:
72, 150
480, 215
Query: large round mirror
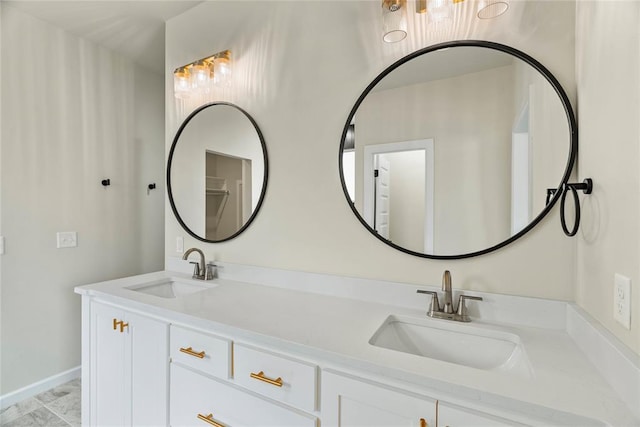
457, 149
217, 172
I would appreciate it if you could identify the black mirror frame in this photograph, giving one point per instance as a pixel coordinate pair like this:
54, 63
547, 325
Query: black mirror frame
573, 133
264, 181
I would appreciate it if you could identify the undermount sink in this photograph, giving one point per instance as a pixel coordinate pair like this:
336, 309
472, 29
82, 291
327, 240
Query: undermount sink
172, 287
463, 344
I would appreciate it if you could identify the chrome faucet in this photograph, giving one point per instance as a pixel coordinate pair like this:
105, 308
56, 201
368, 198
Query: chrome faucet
447, 311
201, 271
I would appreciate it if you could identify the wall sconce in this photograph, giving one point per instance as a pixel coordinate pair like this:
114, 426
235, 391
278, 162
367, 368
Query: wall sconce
202, 75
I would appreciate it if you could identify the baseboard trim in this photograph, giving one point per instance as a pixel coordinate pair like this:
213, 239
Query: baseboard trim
38, 387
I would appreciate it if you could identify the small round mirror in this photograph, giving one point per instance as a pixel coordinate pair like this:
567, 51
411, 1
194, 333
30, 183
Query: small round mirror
217, 172
457, 149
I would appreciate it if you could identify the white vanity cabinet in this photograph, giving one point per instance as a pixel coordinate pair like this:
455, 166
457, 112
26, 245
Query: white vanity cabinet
347, 401
128, 377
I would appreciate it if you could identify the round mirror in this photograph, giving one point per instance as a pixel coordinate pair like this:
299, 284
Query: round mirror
457, 149
217, 172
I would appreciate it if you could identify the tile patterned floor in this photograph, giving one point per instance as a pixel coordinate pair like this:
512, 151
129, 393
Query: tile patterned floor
58, 407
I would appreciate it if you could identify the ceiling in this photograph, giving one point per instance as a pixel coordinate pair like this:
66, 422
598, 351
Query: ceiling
444, 63
135, 29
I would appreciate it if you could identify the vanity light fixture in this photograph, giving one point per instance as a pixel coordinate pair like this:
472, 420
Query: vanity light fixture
394, 15
201, 75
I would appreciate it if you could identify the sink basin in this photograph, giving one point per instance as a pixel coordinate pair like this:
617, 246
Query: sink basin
478, 347
172, 287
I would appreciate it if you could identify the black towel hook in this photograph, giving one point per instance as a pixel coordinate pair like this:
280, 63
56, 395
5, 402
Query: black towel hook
587, 187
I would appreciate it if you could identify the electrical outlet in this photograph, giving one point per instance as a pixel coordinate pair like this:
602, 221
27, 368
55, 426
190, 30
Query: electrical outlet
179, 244
622, 300
67, 239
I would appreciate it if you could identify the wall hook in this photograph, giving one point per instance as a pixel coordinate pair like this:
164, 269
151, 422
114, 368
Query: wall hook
150, 187
106, 182
587, 187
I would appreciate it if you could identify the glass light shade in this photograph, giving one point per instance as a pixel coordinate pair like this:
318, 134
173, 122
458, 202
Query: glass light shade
181, 83
394, 20
200, 75
488, 9
439, 10
222, 71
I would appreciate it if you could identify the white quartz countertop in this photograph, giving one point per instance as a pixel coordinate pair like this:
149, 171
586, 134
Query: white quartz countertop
337, 330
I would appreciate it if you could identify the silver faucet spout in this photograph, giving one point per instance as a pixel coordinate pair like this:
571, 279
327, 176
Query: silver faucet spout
200, 268
446, 288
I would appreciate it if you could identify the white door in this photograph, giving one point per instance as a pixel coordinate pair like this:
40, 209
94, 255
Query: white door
382, 199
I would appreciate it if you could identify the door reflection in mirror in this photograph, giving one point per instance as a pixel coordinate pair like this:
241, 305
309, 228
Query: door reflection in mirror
227, 194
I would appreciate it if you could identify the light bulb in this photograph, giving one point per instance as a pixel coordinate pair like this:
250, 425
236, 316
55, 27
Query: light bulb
181, 83
200, 75
394, 20
222, 70
439, 10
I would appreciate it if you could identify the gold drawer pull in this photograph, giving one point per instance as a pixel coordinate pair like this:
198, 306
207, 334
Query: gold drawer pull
209, 419
260, 376
120, 323
190, 352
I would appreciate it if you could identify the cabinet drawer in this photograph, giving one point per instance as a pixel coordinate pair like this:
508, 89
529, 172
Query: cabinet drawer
278, 377
200, 351
195, 397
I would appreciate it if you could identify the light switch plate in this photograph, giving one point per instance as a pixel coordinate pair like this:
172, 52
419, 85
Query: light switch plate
622, 300
67, 239
179, 244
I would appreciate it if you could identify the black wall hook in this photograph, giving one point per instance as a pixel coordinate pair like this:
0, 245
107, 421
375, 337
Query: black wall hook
106, 182
587, 187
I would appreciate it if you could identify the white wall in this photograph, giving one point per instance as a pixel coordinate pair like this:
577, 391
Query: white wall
608, 76
298, 69
77, 115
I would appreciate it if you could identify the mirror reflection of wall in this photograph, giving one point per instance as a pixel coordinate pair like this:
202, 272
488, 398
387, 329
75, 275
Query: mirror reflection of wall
500, 138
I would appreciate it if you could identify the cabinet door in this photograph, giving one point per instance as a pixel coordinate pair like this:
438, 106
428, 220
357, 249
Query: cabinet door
129, 368
347, 402
108, 382
149, 370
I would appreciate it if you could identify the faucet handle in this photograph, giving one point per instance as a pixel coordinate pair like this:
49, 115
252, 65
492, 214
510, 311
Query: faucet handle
462, 308
209, 271
196, 269
435, 305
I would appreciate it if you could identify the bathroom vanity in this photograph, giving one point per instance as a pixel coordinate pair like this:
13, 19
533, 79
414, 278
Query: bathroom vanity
269, 347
